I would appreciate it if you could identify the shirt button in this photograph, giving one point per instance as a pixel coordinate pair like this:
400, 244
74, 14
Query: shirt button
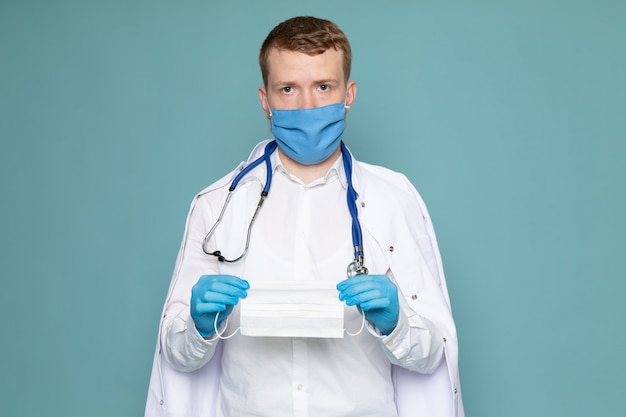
300, 387
414, 297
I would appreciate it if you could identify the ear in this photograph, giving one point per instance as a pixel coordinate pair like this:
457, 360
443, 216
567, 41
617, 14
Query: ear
264, 103
350, 94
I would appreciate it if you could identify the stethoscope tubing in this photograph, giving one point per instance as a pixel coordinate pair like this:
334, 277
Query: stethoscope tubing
356, 267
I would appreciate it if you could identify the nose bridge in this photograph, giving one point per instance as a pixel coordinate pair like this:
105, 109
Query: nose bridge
307, 99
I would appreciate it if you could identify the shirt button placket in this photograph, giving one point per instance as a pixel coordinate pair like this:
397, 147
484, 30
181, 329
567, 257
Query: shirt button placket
300, 372
302, 235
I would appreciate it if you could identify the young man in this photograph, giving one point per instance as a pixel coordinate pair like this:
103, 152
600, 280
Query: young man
299, 236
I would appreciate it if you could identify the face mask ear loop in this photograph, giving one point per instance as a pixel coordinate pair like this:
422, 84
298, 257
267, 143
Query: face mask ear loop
269, 107
218, 334
360, 330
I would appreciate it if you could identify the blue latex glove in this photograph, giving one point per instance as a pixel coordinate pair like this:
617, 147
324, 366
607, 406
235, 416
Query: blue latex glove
213, 294
376, 296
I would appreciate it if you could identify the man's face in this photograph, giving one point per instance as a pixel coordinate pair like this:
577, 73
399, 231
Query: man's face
300, 81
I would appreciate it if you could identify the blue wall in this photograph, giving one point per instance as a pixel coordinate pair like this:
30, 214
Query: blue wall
507, 116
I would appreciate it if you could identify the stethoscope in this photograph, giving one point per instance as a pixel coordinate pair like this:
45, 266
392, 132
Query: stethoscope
356, 267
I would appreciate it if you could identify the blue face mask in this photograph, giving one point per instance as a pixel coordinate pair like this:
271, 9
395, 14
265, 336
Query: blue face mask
309, 136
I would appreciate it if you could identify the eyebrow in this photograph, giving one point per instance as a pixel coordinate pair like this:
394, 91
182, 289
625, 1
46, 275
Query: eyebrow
279, 83
327, 81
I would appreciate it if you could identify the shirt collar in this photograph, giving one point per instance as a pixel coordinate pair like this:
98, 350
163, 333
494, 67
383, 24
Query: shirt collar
337, 170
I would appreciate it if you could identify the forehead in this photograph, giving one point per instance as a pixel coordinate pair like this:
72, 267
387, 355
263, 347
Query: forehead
286, 65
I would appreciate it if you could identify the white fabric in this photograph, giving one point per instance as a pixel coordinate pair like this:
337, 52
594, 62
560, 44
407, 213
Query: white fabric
399, 239
302, 233
292, 308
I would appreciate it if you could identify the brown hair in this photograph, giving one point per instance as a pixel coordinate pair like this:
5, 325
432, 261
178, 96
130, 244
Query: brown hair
306, 34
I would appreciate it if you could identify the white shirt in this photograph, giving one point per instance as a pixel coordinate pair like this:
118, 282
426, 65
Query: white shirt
301, 232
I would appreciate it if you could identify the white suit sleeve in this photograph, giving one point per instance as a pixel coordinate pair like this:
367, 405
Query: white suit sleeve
182, 345
415, 344
400, 226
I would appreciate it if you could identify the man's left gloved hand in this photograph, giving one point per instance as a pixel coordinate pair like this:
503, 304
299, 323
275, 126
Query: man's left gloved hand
376, 296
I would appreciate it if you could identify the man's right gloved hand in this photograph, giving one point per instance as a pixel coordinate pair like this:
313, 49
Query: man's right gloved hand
213, 294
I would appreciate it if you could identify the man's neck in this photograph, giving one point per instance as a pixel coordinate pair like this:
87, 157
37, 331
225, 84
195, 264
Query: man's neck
308, 173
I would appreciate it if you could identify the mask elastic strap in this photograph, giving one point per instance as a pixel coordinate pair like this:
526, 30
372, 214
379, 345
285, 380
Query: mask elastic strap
360, 330
218, 334
269, 107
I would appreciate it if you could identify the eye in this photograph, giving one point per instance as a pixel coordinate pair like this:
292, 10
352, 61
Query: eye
287, 90
324, 87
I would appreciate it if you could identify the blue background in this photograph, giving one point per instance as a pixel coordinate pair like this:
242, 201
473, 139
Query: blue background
508, 116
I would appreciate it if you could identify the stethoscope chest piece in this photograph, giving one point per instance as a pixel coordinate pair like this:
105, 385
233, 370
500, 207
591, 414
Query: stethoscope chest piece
356, 268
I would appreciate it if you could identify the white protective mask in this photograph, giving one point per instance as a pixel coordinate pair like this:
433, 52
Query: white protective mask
292, 309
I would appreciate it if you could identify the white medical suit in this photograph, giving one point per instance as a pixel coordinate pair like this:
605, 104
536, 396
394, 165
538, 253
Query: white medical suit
398, 237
